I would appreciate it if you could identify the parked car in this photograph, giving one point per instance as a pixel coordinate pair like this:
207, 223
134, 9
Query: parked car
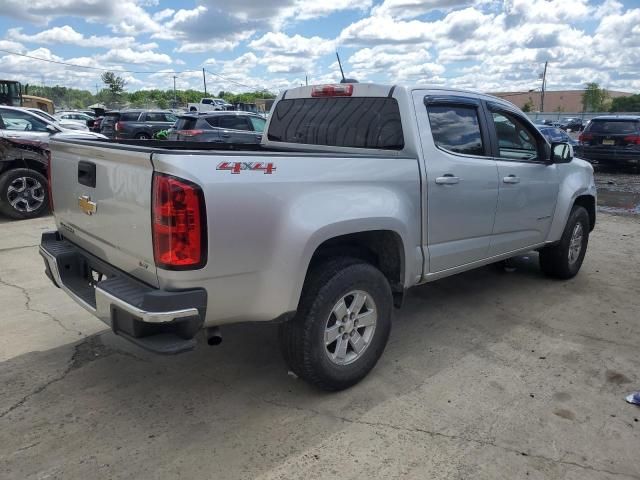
88, 120
219, 127
68, 124
210, 105
573, 124
136, 124
359, 192
555, 134
24, 151
611, 140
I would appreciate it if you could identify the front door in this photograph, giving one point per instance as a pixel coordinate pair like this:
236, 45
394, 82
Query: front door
461, 181
528, 183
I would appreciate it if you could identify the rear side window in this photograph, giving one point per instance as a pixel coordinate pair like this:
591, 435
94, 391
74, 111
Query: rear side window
613, 127
213, 121
456, 129
129, 116
234, 122
186, 123
359, 122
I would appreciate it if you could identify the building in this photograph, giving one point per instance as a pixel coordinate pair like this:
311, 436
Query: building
554, 101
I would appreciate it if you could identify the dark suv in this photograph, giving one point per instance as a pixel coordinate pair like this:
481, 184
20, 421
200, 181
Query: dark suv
611, 141
137, 124
219, 127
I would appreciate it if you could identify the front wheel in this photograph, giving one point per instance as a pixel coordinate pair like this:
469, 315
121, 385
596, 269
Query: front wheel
23, 194
564, 259
342, 325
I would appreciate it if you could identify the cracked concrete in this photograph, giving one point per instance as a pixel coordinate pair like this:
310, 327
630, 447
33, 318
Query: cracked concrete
487, 375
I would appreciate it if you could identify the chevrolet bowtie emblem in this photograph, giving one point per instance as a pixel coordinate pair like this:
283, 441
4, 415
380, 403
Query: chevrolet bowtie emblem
86, 205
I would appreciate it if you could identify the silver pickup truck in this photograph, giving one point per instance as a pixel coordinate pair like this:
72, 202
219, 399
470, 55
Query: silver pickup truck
357, 193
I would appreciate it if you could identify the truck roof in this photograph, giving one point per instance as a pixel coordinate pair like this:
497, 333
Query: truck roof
386, 90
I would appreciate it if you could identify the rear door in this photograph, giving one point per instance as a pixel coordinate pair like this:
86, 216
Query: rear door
108, 125
528, 183
461, 179
117, 181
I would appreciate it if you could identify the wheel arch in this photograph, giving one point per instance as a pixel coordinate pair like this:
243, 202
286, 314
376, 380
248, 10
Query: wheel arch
589, 204
383, 248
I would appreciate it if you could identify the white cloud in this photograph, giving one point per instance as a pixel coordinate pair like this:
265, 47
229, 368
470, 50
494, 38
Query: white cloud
296, 45
415, 8
67, 35
127, 55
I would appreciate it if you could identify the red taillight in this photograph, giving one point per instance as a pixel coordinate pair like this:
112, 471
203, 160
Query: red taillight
117, 127
190, 133
633, 139
585, 137
179, 224
339, 90
49, 188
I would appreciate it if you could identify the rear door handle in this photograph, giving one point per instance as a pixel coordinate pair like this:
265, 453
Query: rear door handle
447, 179
511, 179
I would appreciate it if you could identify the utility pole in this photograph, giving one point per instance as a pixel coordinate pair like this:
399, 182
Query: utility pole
306, 79
175, 103
544, 85
204, 79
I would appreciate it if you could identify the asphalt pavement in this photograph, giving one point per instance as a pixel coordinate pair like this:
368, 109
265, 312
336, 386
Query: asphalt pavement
487, 375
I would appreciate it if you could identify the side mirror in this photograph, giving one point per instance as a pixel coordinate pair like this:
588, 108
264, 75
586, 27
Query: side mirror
51, 129
561, 152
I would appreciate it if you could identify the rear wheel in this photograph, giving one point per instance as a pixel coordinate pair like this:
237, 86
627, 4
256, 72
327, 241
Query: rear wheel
143, 136
564, 259
23, 193
342, 325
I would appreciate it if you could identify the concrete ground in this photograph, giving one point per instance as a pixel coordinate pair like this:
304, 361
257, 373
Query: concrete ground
488, 375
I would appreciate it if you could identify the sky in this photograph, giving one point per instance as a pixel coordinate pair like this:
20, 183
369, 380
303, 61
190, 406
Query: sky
486, 45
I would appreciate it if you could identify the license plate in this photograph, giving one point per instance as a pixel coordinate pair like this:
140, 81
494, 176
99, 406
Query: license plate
608, 142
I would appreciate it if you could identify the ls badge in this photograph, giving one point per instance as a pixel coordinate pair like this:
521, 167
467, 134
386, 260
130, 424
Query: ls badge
86, 205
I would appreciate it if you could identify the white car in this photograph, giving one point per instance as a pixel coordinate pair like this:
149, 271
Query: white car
64, 123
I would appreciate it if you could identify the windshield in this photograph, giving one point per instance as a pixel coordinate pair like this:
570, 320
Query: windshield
10, 93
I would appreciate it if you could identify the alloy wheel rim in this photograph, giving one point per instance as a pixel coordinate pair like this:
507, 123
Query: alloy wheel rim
350, 327
575, 244
25, 194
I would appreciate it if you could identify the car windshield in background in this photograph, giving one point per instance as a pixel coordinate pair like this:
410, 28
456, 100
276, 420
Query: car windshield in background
613, 127
359, 122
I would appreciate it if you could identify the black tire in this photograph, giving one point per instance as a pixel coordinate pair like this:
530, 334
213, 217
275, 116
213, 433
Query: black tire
554, 259
143, 136
21, 209
302, 339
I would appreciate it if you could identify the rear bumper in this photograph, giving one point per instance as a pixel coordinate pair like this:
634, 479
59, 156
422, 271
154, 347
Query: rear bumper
609, 156
158, 320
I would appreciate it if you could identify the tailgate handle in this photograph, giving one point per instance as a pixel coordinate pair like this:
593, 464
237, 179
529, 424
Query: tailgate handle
87, 173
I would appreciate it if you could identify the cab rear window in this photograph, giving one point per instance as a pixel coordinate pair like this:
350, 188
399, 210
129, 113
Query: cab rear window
359, 122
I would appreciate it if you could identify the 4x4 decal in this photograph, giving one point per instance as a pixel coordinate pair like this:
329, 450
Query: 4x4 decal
237, 167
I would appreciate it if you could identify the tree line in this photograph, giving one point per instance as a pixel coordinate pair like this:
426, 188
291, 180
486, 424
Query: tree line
113, 95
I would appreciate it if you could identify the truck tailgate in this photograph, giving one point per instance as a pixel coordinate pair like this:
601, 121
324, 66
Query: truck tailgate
117, 179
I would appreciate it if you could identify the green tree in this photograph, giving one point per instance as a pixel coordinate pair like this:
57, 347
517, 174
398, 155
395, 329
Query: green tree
626, 104
528, 106
594, 98
115, 86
